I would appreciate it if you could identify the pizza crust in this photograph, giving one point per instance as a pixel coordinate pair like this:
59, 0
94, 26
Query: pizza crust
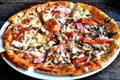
7, 37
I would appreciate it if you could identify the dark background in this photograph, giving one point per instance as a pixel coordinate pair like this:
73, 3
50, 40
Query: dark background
9, 7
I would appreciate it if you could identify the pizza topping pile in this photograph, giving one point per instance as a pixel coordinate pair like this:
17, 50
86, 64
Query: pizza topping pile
60, 36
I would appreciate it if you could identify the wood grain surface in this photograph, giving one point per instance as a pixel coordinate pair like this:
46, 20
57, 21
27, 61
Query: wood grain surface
9, 7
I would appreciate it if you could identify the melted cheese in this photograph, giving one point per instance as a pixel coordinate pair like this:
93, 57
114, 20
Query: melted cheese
81, 55
47, 16
40, 38
17, 44
80, 13
37, 53
75, 50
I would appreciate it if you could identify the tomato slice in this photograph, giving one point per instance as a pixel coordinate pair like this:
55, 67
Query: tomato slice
56, 14
93, 65
86, 40
27, 20
101, 41
87, 21
80, 60
15, 36
53, 26
91, 21
98, 21
20, 39
72, 34
96, 41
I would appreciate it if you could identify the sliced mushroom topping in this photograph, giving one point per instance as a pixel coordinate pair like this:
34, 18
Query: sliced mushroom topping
111, 34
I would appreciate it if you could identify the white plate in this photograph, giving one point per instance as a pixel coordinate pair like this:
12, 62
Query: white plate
32, 73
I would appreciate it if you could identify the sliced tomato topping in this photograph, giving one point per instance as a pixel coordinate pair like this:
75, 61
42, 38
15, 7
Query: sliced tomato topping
91, 21
93, 65
86, 40
20, 39
21, 30
87, 21
27, 21
96, 41
98, 21
72, 34
79, 60
56, 13
53, 26
101, 41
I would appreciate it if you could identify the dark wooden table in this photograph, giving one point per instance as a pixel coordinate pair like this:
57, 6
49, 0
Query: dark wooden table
9, 7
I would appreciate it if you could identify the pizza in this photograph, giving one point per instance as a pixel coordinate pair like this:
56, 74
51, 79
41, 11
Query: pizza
61, 38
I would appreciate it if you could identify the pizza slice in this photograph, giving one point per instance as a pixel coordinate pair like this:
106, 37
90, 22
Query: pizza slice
59, 11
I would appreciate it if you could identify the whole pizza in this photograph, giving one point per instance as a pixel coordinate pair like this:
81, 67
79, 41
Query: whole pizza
61, 38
